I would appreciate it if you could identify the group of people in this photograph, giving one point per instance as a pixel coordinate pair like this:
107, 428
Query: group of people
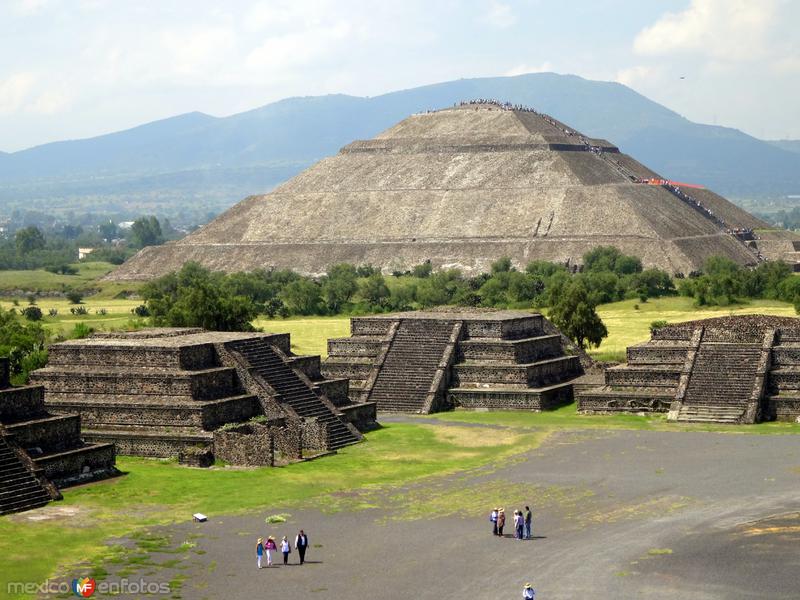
268, 547
522, 522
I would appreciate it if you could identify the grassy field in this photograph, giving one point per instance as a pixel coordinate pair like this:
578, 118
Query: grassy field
40, 279
118, 313
626, 325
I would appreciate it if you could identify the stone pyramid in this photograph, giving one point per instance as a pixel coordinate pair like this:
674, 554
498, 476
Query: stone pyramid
462, 187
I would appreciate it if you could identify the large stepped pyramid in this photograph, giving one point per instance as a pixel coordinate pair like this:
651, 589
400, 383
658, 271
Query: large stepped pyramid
159, 392
725, 370
435, 360
462, 187
40, 451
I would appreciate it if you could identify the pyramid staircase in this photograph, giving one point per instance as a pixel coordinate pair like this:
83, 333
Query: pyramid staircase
721, 383
429, 361
294, 391
20, 489
410, 367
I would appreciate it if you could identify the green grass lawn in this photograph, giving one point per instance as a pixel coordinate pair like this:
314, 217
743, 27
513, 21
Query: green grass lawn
309, 334
42, 280
118, 312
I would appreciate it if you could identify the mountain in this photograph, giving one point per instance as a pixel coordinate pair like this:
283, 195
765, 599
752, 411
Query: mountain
790, 145
199, 160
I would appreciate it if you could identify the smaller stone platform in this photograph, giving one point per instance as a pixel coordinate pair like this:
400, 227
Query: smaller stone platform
160, 392
739, 369
428, 361
41, 452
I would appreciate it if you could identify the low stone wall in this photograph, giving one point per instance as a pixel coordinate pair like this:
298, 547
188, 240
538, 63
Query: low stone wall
21, 403
478, 399
363, 416
314, 434
249, 445
308, 365
5, 373
198, 356
79, 465
356, 347
604, 402
781, 409
652, 354
200, 385
55, 434
625, 376
535, 374
523, 351
336, 390
370, 326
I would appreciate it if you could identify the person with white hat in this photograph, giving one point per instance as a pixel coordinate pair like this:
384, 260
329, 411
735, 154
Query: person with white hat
528, 593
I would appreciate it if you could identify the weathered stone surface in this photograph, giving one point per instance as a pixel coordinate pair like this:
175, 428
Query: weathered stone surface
462, 187
434, 360
727, 369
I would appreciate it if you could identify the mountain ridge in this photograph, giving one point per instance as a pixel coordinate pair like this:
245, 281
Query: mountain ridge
281, 138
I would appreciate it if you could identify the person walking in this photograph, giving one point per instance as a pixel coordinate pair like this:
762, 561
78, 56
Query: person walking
528, 593
285, 548
300, 544
501, 521
259, 551
528, 523
493, 519
269, 547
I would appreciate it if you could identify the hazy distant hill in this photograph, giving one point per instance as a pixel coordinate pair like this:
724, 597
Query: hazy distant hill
790, 145
214, 162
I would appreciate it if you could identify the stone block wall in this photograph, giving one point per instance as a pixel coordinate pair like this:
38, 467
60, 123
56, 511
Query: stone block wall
21, 403
5, 373
249, 445
55, 434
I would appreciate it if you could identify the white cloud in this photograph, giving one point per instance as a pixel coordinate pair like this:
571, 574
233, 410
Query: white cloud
14, 91
725, 30
522, 69
636, 75
29, 7
500, 15
291, 50
50, 102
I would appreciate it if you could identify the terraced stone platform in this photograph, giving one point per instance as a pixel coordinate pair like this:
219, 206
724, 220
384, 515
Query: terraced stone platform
40, 451
430, 361
159, 392
726, 370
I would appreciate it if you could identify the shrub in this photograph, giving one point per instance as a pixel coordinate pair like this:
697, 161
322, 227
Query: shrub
656, 325
81, 330
74, 296
101, 311
32, 313
31, 298
79, 310
53, 312
141, 311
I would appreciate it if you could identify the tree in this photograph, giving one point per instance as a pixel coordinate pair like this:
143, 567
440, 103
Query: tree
302, 297
422, 270
74, 296
574, 314
339, 286
32, 313
29, 239
374, 290
196, 297
146, 231
20, 341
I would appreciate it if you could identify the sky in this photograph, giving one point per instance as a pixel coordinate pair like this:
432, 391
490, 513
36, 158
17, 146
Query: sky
78, 68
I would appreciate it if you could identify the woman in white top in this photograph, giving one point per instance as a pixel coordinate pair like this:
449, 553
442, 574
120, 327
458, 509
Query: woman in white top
285, 548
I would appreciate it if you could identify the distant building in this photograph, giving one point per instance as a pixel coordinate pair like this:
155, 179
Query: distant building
84, 252
125, 224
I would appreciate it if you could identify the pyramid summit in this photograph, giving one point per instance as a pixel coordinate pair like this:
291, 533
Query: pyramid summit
462, 187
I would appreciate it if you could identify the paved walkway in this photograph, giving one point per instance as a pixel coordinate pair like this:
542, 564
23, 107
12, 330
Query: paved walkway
619, 514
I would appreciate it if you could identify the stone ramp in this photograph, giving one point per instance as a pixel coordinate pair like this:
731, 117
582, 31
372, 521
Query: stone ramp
408, 372
292, 390
721, 383
19, 488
